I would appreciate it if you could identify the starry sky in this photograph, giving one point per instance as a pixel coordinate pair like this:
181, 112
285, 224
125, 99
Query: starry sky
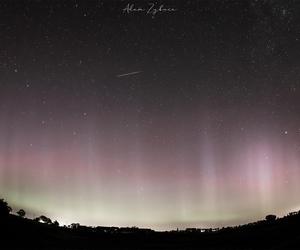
174, 119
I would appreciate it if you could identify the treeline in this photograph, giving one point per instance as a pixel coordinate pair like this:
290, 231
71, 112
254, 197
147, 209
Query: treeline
19, 232
6, 210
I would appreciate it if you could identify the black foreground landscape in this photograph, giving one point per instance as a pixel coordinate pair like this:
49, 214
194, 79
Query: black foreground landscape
18, 232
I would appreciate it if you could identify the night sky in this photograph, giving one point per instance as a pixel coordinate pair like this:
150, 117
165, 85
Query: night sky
183, 118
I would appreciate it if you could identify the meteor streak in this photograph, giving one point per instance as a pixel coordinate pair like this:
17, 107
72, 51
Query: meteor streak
129, 74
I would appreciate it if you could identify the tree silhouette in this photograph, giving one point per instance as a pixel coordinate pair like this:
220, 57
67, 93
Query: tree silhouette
270, 217
75, 225
55, 223
37, 219
43, 219
4, 209
21, 213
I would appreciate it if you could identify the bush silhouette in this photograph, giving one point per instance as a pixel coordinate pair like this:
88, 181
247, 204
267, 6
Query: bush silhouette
43, 219
270, 217
21, 213
55, 223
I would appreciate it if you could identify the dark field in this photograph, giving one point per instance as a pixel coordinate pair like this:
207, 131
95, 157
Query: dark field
22, 233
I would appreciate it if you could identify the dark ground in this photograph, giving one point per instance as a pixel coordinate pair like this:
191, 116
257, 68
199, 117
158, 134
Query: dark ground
21, 233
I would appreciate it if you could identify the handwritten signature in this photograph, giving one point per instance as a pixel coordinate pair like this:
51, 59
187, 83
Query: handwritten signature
152, 9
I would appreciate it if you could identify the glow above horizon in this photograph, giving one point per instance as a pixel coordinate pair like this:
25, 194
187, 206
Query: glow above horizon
158, 184
189, 141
